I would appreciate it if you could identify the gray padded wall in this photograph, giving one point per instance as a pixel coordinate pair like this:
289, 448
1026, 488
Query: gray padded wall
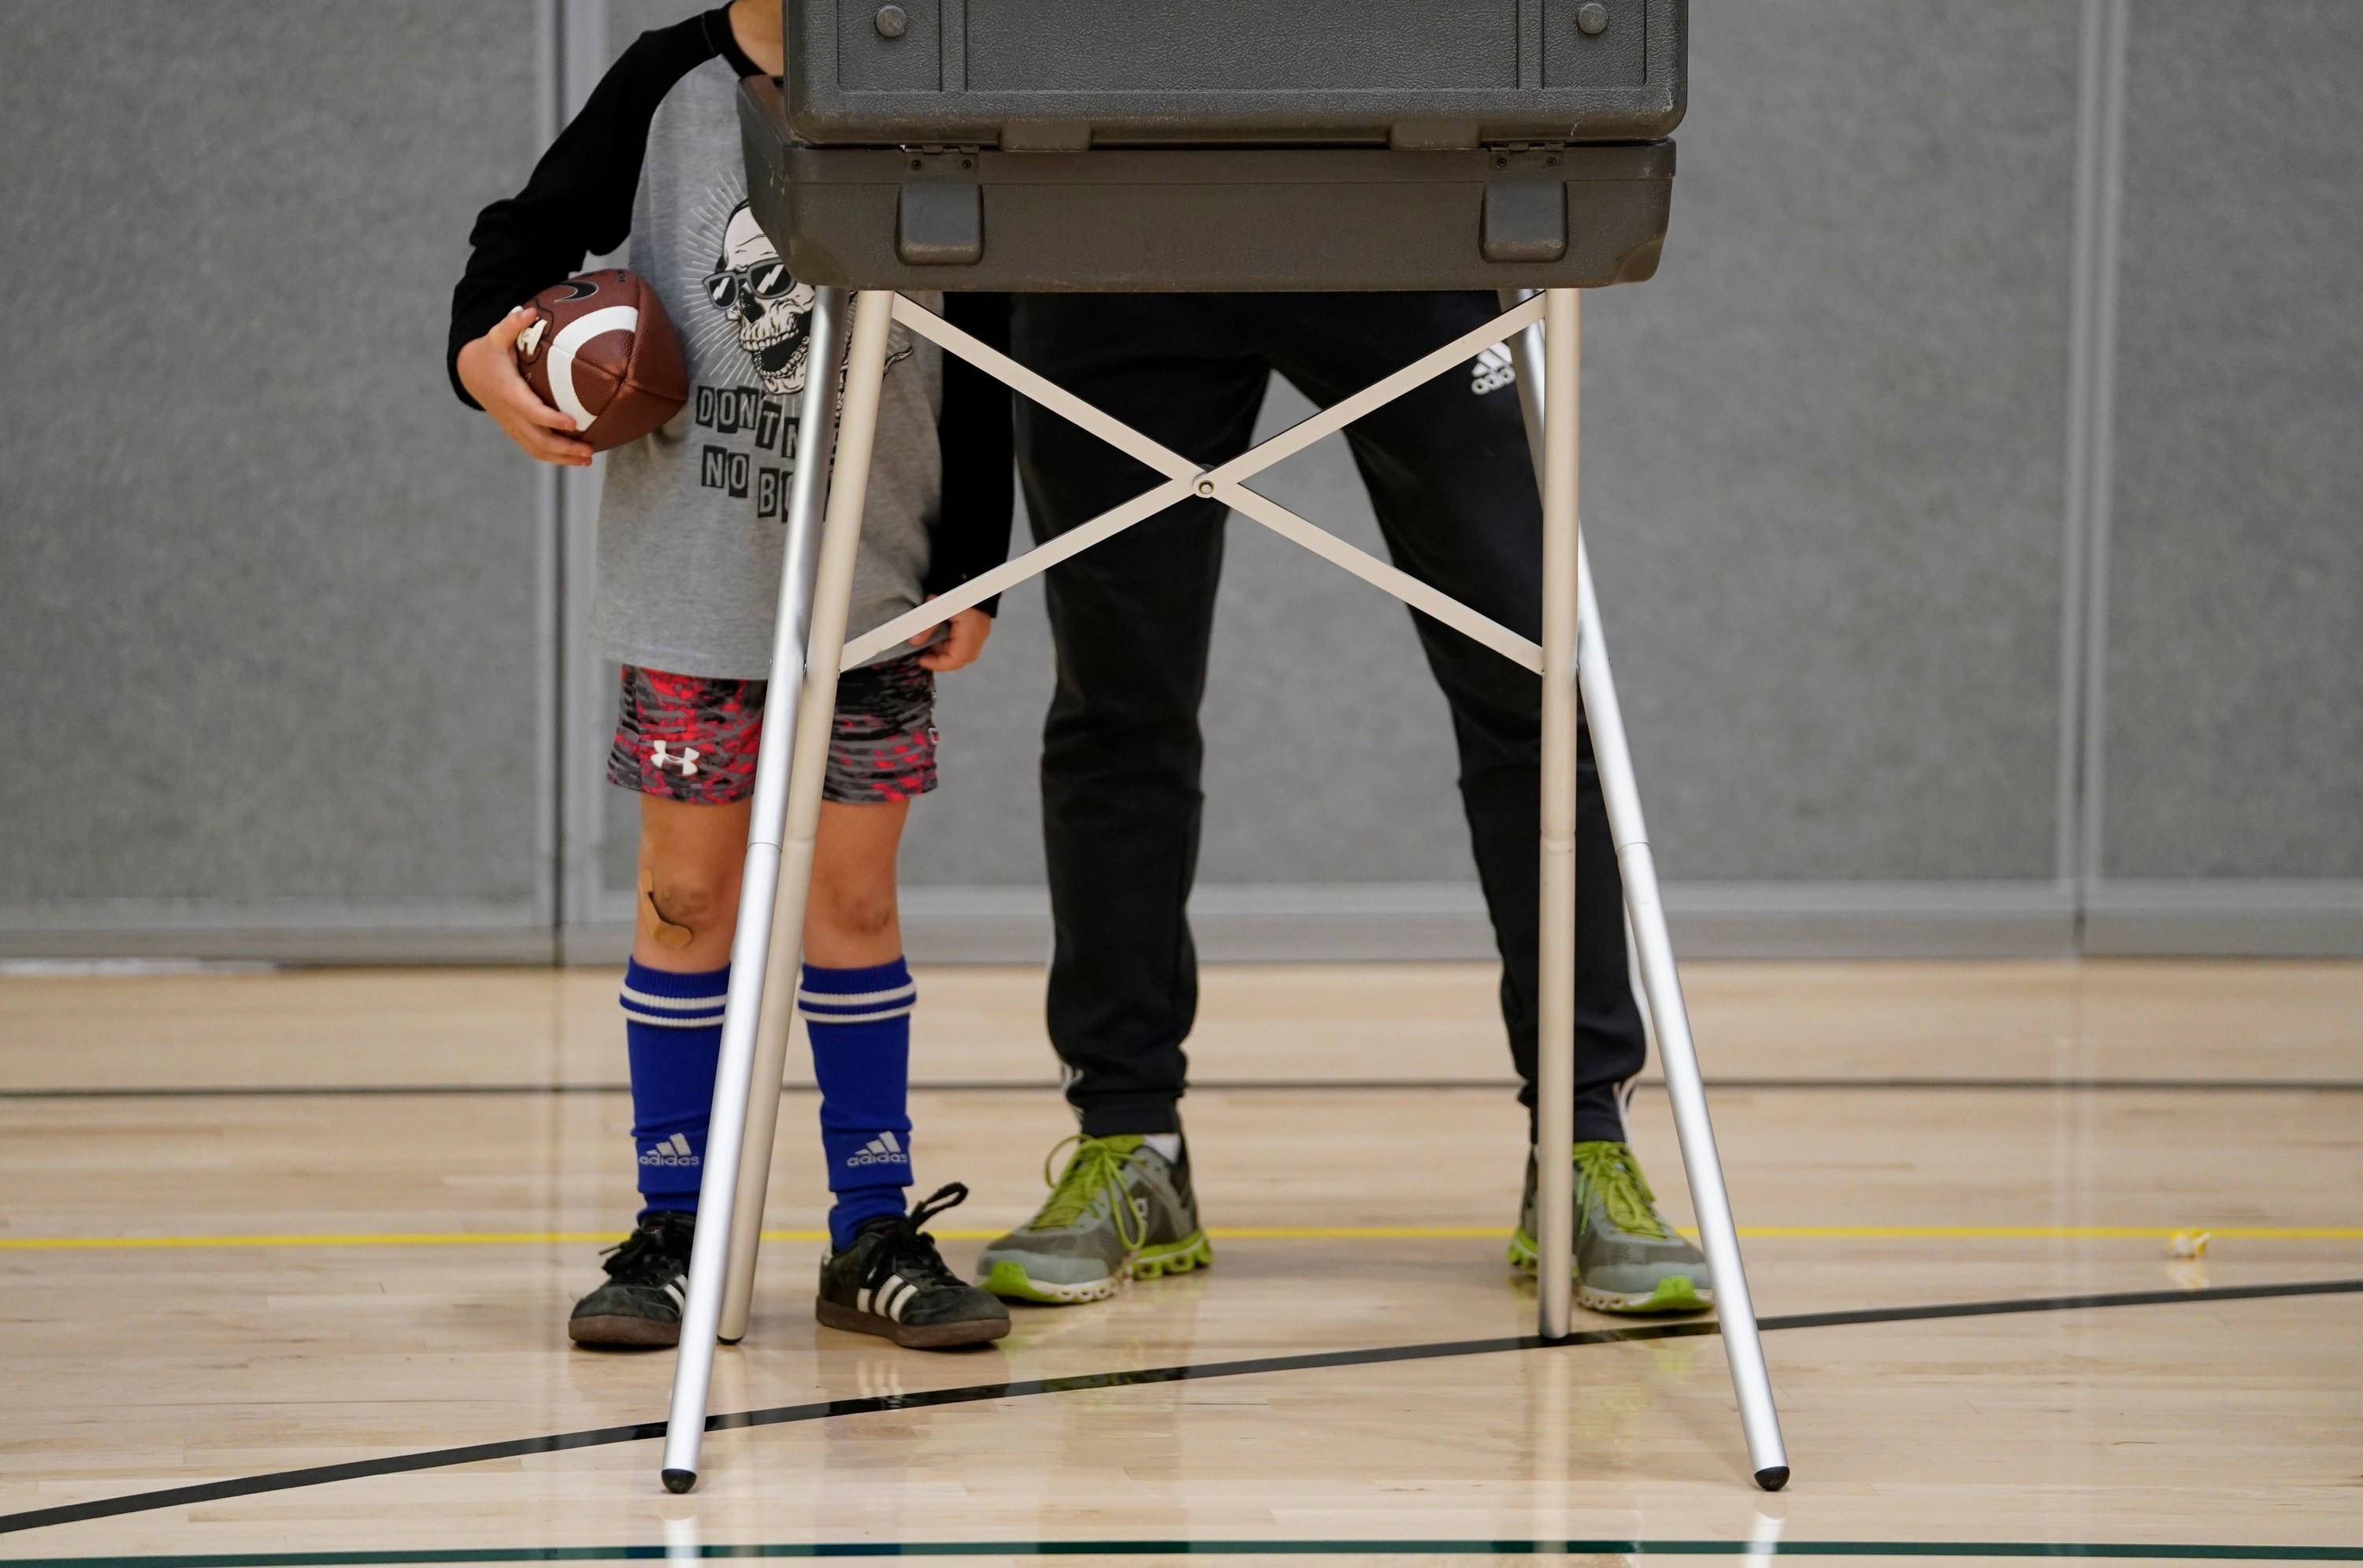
1827, 448
270, 605
282, 647
2234, 607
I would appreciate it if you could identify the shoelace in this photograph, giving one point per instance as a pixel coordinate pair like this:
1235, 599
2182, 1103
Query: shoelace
906, 1248
1098, 1166
1610, 1170
652, 1255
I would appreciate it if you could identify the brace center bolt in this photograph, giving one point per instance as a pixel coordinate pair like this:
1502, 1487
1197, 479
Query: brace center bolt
1592, 18
1207, 487
891, 22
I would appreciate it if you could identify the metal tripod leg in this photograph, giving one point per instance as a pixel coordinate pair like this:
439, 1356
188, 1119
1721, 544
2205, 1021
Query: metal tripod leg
1661, 983
778, 875
1678, 1057
801, 682
1555, 1069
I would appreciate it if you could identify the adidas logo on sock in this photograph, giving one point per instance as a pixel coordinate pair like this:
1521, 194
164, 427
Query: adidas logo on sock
882, 1150
673, 1150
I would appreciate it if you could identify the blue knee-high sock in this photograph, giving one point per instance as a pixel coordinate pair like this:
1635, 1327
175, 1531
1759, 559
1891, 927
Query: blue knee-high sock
674, 1025
860, 1021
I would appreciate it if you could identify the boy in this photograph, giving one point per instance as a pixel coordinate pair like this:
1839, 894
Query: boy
690, 538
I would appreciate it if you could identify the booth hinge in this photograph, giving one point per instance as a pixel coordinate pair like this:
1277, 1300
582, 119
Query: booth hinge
933, 160
1534, 155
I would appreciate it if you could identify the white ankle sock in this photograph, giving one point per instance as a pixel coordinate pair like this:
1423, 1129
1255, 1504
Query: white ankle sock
1166, 1144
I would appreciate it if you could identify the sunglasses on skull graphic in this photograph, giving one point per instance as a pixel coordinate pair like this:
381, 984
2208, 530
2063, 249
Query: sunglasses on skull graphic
746, 289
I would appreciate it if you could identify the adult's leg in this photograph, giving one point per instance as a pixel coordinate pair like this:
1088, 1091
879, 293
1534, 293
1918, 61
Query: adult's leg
1452, 482
1121, 749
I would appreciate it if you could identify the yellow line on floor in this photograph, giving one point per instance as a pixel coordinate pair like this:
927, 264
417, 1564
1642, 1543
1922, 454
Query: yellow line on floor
2045, 1233
1229, 1233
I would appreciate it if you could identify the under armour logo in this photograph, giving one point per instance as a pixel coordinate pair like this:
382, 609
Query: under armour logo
686, 761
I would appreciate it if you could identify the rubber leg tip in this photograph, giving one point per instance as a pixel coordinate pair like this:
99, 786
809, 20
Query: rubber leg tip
1772, 1477
726, 1339
678, 1480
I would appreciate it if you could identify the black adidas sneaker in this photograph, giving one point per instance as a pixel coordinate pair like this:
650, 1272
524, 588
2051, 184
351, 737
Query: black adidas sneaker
891, 1282
648, 1277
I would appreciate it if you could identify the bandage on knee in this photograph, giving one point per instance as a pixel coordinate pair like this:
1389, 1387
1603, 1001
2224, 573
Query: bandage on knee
668, 933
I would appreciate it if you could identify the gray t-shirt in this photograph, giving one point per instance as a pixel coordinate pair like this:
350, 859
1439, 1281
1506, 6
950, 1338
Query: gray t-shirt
692, 518
691, 528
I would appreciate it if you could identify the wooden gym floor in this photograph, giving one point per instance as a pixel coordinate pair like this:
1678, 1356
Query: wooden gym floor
284, 1260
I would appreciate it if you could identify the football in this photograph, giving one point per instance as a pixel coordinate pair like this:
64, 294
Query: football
602, 350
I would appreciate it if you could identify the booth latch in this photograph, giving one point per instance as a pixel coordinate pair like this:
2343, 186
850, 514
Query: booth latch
939, 221
1526, 205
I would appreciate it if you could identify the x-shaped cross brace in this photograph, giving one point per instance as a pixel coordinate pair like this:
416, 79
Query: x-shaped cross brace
1225, 483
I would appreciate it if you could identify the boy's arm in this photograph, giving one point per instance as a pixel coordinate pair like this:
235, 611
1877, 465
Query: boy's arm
972, 533
579, 200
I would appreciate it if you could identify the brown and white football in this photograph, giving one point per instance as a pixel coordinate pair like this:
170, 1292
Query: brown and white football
603, 350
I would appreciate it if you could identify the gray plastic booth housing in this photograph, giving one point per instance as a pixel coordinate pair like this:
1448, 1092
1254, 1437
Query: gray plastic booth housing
1157, 145
1063, 76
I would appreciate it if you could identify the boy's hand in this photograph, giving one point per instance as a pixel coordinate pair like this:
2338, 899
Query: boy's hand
964, 636
488, 370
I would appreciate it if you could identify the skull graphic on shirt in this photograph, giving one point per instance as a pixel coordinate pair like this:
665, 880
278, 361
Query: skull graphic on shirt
770, 309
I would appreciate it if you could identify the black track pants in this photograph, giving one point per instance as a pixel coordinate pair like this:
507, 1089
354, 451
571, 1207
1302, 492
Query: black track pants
1453, 486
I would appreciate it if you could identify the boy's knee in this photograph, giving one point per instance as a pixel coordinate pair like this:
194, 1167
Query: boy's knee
694, 899
857, 912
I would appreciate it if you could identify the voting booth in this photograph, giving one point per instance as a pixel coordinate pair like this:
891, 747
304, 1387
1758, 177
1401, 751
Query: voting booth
1039, 146
1221, 144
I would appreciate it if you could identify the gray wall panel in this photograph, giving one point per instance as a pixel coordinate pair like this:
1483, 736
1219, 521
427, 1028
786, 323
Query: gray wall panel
276, 621
627, 19
2235, 736
267, 597
1825, 450
1825, 464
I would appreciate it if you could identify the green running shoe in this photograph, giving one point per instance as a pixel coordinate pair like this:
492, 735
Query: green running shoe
1120, 1209
1628, 1258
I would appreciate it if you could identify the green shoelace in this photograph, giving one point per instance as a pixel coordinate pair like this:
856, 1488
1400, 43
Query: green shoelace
1097, 1168
1610, 1170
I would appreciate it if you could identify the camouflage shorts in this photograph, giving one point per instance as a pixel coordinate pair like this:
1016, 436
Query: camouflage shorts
694, 738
